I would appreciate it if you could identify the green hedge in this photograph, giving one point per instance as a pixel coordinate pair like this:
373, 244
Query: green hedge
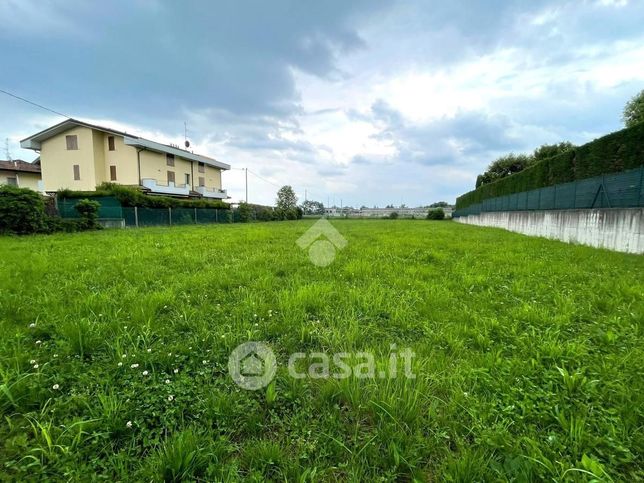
615, 152
129, 196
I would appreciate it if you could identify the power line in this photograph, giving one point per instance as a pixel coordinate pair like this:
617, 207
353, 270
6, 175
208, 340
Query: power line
33, 103
264, 179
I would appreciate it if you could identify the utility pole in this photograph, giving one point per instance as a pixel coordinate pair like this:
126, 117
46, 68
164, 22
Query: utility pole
6, 149
305, 195
246, 169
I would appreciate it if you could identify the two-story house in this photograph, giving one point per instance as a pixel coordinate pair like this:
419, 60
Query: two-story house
80, 156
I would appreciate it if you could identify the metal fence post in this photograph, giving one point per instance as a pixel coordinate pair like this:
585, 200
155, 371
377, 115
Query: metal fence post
170, 215
136, 216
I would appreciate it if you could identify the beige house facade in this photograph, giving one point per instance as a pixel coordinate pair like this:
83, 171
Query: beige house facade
79, 156
22, 174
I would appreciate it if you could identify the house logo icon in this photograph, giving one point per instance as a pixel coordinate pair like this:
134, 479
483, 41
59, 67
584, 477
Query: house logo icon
252, 365
322, 240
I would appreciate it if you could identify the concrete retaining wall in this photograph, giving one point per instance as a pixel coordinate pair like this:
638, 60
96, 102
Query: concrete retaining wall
620, 229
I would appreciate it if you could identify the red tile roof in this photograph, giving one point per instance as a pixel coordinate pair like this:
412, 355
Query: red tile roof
20, 165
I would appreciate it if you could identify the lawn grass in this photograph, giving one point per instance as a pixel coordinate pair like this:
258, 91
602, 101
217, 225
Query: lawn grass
528, 355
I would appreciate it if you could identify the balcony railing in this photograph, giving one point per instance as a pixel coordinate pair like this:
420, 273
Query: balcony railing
169, 188
211, 192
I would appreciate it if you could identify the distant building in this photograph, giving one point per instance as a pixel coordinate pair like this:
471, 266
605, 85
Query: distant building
80, 156
21, 173
419, 212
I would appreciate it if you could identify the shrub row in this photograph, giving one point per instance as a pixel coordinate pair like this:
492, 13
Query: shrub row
131, 196
250, 212
615, 152
22, 211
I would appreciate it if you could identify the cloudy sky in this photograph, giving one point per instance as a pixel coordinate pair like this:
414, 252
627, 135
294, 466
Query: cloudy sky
368, 102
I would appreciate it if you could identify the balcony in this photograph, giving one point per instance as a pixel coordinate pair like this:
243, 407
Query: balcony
211, 193
169, 188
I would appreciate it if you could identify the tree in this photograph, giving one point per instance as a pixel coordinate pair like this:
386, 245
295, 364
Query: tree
313, 207
286, 199
245, 212
439, 204
634, 110
550, 150
504, 166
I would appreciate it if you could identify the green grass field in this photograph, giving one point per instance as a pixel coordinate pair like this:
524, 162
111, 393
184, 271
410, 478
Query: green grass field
528, 356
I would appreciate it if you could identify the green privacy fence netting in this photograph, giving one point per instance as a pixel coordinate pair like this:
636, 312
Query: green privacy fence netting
141, 216
615, 190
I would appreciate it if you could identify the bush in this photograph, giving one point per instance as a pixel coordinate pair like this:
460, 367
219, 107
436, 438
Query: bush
245, 212
22, 210
88, 210
615, 152
266, 214
393, 215
436, 214
53, 224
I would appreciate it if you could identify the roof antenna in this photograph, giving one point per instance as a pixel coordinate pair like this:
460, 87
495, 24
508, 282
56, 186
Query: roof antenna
186, 143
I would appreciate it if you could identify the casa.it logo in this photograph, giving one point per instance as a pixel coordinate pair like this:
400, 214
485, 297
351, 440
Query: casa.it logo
252, 365
322, 240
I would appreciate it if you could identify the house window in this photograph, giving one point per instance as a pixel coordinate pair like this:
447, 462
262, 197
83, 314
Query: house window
169, 159
110, 143
202, 168
202, 181
76, 171
170, 177
112, 173
12, 181
187, 179
72, 142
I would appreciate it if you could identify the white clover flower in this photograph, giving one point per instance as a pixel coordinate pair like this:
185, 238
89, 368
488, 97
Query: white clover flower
145, 373
55, 387
36, 366
167, 381
32, 325
169, 354
119, 364
32, 362
128, 424
176, 371
55, 356
256, 324
170, 398
123, 356
204, 362
100, 315
38, 342
149, 350
134, 366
